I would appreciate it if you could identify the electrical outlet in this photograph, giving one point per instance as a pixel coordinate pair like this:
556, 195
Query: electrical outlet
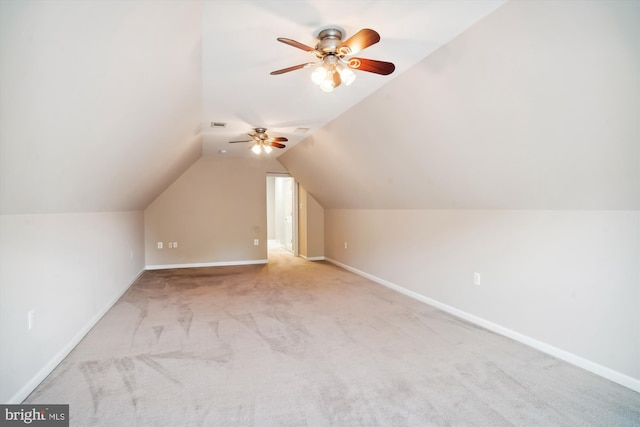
256, 242
345, 245
175, 245
159, 245
170, 245
476, 278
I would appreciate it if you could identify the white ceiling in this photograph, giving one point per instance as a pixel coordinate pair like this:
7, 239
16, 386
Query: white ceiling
240, 50
104, 104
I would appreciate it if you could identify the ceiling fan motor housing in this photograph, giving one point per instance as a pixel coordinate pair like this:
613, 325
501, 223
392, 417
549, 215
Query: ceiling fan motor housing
261, 133
330, 39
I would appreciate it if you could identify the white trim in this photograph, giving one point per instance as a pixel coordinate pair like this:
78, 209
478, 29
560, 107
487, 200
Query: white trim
35, 381
206, 264
313, 258
280, 174
295, 214
603, 371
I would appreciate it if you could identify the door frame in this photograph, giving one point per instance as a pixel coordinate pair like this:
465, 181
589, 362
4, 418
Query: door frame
294, 209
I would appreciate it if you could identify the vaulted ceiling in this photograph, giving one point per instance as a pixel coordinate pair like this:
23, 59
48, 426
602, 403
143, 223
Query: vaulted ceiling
100, 102
535, 107
103, 104
240, 50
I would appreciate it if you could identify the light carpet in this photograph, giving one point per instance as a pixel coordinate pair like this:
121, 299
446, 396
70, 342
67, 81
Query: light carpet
300, 343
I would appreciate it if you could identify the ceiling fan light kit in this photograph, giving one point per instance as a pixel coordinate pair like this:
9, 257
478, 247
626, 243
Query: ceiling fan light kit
262, 142
331, 73
335, 68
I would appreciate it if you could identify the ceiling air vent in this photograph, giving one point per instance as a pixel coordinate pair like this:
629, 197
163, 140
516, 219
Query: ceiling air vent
218, 125
301, 130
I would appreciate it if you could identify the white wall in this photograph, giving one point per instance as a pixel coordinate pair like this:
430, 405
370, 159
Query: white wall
271, 224
310, 226
569, 279
100, 106
69, 268
512, 151
214, 211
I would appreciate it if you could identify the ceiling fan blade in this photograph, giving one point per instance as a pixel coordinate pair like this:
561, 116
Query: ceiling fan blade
276, 144
371, 65
296, 44
233, 142
360, 40
278, 139
295, 67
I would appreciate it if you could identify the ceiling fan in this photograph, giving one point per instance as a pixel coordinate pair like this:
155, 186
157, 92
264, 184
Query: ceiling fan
262, 141
335, 55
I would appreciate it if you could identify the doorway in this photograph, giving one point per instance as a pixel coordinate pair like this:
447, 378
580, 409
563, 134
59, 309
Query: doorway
282, 218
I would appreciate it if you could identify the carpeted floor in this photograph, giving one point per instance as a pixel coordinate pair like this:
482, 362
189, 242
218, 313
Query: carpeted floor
299, 343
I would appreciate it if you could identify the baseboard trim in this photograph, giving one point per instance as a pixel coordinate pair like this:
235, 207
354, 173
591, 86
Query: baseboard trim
313, 258
588, 365
31, 385
206, 264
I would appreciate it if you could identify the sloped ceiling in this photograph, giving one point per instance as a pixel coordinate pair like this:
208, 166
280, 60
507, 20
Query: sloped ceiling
104, 103
100, 102
534, 107
240, 50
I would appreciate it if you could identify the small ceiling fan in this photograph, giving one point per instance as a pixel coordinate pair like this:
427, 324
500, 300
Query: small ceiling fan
335, 55
262, 141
